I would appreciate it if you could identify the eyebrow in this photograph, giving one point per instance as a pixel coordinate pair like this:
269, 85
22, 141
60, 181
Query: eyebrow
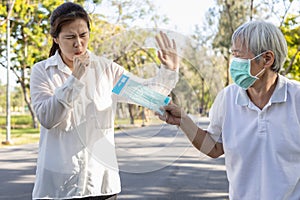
86, 32
73, 34
234, 50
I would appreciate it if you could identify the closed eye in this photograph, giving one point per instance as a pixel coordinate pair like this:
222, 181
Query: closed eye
84, 34
69, 36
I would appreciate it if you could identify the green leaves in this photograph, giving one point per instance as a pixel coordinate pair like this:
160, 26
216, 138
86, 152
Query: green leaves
291, 30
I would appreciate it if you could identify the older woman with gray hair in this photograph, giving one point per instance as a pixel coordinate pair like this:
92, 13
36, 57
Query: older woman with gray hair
254, 122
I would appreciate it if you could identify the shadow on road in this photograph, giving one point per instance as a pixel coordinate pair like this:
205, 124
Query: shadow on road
167, 166
17, 172
186, 179
173, 169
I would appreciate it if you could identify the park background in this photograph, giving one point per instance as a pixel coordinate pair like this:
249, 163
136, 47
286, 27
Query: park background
121, 30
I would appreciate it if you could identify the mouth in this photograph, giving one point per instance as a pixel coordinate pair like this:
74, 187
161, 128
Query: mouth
78, 53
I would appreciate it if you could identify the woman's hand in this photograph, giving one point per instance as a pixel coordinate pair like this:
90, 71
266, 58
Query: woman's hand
80, 64
168, 52
173, 114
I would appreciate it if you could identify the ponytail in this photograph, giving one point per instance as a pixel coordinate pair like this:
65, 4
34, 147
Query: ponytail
53, 49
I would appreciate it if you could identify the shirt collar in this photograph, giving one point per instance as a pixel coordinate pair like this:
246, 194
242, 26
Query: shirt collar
56, 61
279, 95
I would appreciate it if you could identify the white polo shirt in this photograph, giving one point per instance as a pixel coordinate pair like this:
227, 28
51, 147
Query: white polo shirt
262, 147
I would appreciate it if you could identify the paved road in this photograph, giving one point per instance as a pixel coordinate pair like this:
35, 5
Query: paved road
156, 162
17, 169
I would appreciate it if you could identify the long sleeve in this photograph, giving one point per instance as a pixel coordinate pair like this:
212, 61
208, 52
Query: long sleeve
164, 81
52, 104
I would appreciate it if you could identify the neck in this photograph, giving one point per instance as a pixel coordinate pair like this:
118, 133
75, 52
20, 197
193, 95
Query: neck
263, 89
68, 62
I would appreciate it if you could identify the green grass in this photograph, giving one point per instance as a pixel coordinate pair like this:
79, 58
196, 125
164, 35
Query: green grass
21, 133
17, 121
20, 136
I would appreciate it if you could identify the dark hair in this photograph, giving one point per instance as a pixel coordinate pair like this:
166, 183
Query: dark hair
64, 14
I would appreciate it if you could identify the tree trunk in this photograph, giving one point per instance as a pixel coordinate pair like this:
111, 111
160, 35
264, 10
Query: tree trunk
130, 113
289, 67
28, 103
227, 70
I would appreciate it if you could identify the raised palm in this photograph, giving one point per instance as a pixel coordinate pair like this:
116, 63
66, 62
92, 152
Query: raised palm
168, 52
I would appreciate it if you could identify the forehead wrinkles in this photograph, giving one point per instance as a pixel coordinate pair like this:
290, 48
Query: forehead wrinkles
75, 27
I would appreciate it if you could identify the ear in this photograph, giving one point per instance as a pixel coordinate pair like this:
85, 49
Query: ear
55, 40
269, 59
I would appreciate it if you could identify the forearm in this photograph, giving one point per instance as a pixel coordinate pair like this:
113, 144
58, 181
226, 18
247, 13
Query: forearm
50, 112
166, 79
163, 82
52, 107
200, 138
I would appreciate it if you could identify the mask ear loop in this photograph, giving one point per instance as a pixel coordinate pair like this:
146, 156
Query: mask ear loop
259, 73
258, 55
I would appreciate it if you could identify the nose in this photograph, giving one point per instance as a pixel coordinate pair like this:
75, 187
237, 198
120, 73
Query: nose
77, 42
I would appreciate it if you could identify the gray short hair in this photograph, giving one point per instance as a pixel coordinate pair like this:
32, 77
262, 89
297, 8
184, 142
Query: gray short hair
260, 36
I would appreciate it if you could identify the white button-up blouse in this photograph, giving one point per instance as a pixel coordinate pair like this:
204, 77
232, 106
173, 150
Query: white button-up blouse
76, 155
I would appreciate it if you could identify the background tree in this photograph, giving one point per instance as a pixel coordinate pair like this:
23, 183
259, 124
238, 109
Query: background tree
29, 30
223, 18
17, 100
285, 14
118, 37
200, 75
291, 30
207, 56
31, 40
230, 14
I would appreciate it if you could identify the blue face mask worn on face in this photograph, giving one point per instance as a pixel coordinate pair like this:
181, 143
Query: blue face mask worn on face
240, 71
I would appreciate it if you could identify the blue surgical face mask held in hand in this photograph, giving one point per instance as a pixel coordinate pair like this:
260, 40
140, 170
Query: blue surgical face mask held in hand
240, 71
140, 94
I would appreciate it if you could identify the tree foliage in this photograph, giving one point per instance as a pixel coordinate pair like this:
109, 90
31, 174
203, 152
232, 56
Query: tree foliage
291, 30
286, 14
29, 29
117, 37
231, 14
30, 39
227, 15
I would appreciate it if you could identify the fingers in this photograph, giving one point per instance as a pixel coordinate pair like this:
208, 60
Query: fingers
170, 107
169, 117
80, 64
162, 117
160, 56
160, 44
82, 60
165, 39
164, 42
167, 110
174, 44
